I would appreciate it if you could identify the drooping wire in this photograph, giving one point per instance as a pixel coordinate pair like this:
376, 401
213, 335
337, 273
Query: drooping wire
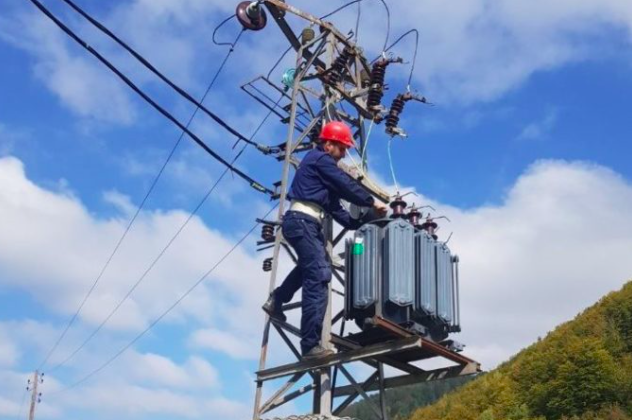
166, 312
388, 17
254, 184
276, 64
137, 56
390, 162
219, 44
165, 248
412, 67
366, 141
140, 207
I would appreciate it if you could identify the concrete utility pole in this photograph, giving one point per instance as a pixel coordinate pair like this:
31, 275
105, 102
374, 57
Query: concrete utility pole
35, 396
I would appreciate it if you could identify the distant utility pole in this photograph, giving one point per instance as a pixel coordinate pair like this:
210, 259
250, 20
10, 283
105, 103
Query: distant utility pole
35, 396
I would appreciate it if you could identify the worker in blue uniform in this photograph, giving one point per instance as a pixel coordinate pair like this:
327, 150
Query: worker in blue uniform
317, 188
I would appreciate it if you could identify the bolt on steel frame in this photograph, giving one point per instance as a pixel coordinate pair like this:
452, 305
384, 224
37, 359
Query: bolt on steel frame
314, 59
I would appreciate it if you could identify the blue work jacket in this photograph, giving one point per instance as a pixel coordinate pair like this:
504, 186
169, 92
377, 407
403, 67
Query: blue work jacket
319, 180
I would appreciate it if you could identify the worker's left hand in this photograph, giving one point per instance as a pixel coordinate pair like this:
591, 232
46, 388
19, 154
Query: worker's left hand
380, 209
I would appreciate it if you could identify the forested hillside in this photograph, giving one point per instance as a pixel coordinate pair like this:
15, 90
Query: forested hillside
401, 402
581, 370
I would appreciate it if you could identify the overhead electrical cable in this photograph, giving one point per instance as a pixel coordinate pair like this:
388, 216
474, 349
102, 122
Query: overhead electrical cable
412, 67
153, 69
140, 207
163, 251
166, 312
219, 44
390, 162
256, 185
386, 8
276, 64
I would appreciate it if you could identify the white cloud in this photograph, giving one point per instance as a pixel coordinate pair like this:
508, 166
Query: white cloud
470, 51
154, 370
78, 80
137, 384
239, 347
71, 246
540, 130
557, 243
478, 50
120, 201
8, 351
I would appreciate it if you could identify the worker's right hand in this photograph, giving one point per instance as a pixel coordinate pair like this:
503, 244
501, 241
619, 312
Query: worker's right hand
380, 209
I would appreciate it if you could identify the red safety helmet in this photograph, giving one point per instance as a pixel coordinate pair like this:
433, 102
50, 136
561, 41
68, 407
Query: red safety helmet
337, 131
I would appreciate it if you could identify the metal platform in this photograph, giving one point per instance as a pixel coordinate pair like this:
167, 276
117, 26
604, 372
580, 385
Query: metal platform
385, 343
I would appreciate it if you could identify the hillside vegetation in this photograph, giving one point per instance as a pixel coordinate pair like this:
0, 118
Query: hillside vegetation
581, 370
401, 402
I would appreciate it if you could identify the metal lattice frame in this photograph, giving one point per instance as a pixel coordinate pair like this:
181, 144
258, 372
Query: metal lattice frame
313, 62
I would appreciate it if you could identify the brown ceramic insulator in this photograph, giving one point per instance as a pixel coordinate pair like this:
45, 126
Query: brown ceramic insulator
378, 73
397, 107
251, 18
430, 226
267, 265
413, 217
307, 35
338, 66
267, 233
398, 205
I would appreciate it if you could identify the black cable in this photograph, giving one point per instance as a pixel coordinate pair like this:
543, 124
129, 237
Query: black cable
412, 68
162, 252
165, 113
388, 17
219, 44
140, 58
165, 313
138, 210
279, 61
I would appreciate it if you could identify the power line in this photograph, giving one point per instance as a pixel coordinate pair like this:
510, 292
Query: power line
412, 68
390, 163
153, 69
165, 248
254, 184
140, 207
165, 313
279, 61
219, 44
386, 8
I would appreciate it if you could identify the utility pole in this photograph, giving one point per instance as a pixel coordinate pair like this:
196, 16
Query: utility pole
35, 396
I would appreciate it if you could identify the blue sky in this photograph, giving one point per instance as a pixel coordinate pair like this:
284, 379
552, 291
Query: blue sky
526, 150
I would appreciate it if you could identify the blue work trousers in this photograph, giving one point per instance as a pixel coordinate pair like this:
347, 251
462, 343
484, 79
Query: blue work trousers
312, 273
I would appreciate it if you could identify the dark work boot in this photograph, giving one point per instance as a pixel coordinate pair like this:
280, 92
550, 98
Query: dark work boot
317, 353
274, 308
